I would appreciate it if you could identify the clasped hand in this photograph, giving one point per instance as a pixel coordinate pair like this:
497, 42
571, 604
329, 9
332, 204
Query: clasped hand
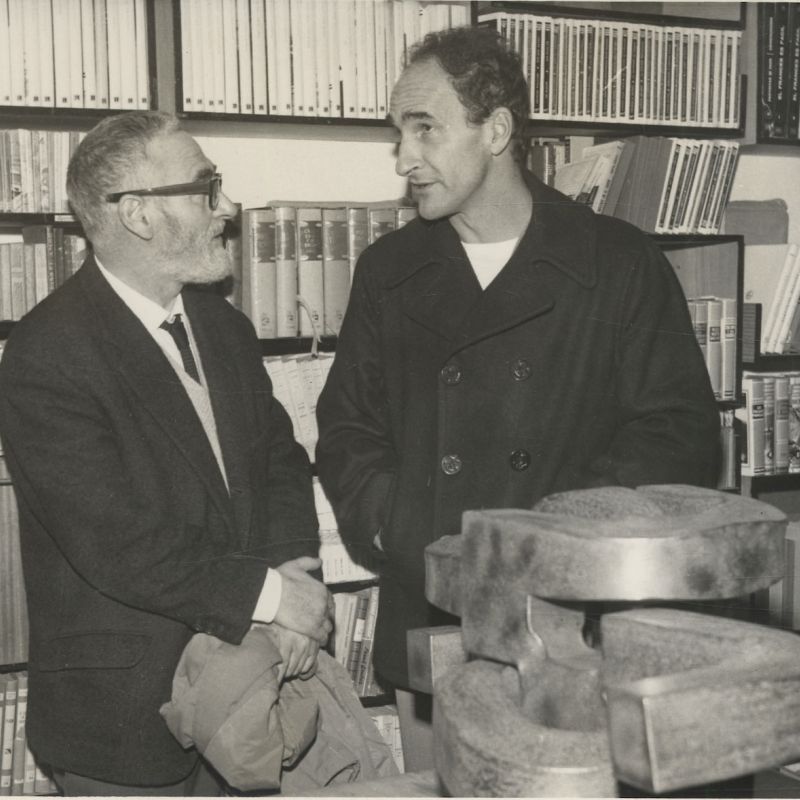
305, 616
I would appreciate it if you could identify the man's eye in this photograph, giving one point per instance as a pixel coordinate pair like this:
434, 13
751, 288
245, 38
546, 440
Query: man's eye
424, 127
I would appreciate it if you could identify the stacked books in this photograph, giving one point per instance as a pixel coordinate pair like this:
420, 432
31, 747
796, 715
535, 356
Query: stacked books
74, 54
660, 184
779, 71
304, 58
783, 597
623, 71
19, 772
337, 564
33, 169
771, 418
34, 267
714, 320
353, 632
772, 278
297, 262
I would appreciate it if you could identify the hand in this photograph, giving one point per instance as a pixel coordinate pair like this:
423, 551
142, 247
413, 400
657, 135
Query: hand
298, 652
306, 605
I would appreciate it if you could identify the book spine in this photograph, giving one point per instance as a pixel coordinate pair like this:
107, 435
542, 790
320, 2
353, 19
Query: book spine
794, 423
769, 424
286, 271
336, 268
729, 337
753, 418
309, 271
780, 448
714, 345
9, 730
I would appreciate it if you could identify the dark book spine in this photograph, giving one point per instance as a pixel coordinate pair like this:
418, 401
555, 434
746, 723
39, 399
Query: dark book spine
781, 69
793, 63
767, 58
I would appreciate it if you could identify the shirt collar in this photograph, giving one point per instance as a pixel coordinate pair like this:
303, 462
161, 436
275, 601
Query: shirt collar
150, 313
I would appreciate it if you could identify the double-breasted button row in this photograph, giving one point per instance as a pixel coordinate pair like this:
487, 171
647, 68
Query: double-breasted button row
451, 464
519, 459
451, 374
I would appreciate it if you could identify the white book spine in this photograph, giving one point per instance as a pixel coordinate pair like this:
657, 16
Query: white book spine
142, 63
114, 55
88, 58
16, 52
243, 51
260, 35
30, 53
230, 56
101, 53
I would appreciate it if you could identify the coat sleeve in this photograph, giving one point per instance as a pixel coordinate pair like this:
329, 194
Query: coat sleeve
667, 420
356, 458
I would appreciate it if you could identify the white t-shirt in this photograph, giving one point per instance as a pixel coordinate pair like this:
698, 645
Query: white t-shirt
489, 258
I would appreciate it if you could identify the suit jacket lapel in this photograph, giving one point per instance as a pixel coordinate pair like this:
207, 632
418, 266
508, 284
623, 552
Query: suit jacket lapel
152, 379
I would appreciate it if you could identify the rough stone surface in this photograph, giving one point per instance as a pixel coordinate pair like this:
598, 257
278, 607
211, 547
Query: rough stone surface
671, 700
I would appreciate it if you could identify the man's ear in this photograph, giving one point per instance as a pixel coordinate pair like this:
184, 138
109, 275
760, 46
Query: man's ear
136, 216
502, 129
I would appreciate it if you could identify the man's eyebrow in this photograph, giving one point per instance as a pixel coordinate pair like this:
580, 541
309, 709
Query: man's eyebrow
410, 116
205, 172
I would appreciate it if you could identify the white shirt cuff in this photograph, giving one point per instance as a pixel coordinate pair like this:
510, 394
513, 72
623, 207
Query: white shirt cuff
270, 598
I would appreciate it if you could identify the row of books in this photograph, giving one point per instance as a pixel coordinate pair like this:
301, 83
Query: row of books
714, 320
297, 262
779, 71
31, 269
612, 71
33, 169
783, 597
772, 278
13, 608
771, 418
74, 54
388, 723
338, 565
660, 184
19, 773
303, 58
353, 632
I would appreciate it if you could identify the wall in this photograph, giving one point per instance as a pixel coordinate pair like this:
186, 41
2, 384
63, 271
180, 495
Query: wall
765, 172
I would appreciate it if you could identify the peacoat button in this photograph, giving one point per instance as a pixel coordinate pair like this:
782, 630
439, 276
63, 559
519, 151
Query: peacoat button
520, 369
451, 374
451, 464
520, 460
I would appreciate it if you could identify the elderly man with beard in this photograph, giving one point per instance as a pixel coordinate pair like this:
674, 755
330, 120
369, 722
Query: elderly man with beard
161, 491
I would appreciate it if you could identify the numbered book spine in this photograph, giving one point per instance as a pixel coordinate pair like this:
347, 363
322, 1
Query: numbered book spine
752, 416
336, 269
286, 270
309, 271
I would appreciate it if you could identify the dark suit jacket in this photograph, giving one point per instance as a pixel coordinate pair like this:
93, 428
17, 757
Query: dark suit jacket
576, 367
130, 540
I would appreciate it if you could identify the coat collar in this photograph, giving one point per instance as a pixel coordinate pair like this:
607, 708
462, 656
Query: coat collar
152, 379
440, 289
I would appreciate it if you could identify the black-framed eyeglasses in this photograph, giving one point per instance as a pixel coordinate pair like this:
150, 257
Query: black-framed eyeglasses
209, 186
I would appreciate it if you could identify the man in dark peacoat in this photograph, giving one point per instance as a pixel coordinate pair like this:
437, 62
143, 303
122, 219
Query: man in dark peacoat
575, 366
135, 532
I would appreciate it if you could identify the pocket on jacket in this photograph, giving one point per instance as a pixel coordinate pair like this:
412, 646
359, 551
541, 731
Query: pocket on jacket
99, 650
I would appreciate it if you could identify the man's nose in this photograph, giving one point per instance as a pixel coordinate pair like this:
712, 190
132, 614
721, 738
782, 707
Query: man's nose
407, 157
225, 208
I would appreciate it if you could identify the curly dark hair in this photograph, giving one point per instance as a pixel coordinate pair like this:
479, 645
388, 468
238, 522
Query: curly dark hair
486, 74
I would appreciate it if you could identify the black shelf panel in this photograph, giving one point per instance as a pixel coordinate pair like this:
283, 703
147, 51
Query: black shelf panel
298, 345
19, 219
789, 362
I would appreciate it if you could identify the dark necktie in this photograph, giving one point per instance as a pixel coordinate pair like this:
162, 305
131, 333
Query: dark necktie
176, 330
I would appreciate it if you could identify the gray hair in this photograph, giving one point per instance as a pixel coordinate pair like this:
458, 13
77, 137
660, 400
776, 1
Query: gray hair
109, 155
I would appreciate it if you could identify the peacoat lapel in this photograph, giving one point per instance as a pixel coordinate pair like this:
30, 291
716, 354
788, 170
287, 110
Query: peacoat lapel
443, 294
132, 353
